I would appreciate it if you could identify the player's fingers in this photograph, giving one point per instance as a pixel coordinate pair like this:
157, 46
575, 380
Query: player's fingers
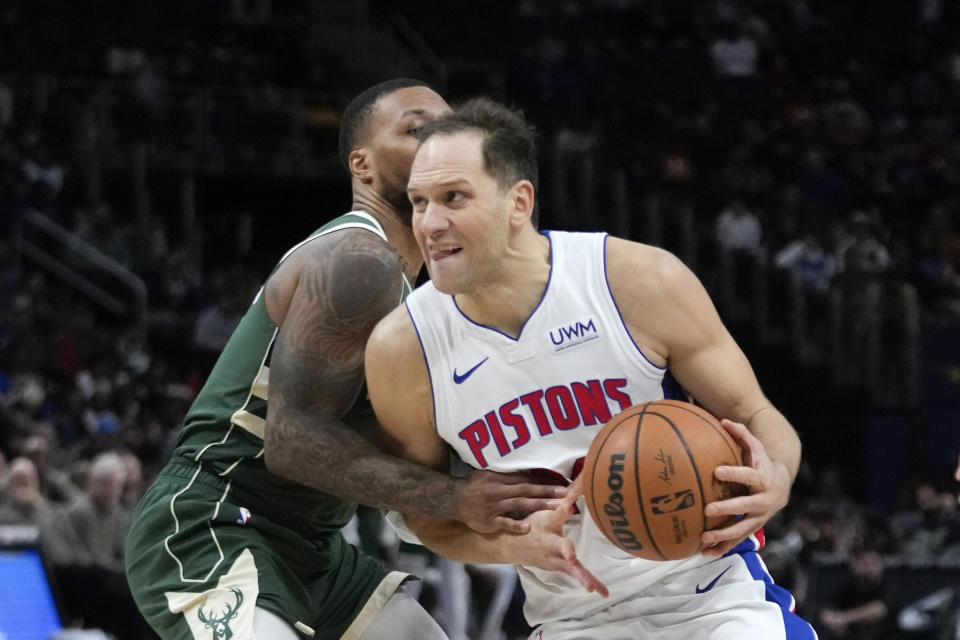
722, 541
589, 581
530, 490
553, 521
720, 549
738, 430
525, 506
734, 506
509, 525
751, 445
575, 490
575, 569
734, 533
744, 475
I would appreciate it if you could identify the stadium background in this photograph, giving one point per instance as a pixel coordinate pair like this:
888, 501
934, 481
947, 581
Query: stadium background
192, 142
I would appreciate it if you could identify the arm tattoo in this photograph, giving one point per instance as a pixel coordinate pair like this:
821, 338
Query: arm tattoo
316, 374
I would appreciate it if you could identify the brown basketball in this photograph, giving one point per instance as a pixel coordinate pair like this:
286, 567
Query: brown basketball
649, 474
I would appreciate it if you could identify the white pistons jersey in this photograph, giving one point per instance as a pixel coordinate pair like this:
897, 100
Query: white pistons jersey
537, 401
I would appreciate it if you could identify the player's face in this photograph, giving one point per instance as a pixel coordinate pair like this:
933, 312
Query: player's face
393, 141
460, 214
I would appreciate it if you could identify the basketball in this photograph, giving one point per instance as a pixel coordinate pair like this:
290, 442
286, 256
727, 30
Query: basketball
649, 474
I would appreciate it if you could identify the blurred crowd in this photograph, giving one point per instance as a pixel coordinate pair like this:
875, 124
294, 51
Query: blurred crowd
825, 131
824, 134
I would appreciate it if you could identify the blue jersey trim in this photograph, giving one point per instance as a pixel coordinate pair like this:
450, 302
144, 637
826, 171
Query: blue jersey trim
606, 278
796, 628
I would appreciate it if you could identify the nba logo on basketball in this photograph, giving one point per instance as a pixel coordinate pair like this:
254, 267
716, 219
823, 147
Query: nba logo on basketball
679, 500
575, 334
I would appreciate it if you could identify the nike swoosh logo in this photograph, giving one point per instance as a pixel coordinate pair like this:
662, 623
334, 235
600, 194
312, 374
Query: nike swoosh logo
713, 582
458, 378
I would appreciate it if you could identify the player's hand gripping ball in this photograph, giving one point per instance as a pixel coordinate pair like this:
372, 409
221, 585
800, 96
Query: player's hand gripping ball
649, 474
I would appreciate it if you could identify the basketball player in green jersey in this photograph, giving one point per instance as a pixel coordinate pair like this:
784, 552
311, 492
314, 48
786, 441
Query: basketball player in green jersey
239, 537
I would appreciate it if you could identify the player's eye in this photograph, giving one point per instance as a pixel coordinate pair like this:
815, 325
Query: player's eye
455, 196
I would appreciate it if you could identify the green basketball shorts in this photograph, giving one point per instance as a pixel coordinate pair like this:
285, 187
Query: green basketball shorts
199, 561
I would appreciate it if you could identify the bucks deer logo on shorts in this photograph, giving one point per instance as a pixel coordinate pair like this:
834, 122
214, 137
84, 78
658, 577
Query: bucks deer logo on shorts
219, 622
223, 611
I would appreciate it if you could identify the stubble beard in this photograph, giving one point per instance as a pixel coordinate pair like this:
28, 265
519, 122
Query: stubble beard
396, 196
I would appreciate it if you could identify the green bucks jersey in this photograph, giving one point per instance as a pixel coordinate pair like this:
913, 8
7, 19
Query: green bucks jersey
225, 426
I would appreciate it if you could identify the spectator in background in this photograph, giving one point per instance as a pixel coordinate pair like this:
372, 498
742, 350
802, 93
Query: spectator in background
22, 503
133, 487
97, 518
956, 476
823, 189
936, 269
151, 92
930, 526
99, 417
216, 323
862, 260
735, 53
738, 229
858, 611
43, 172
738, 235
98, 225
4, 474
809, 260
54, 483
133, 481
859, 252
89, 552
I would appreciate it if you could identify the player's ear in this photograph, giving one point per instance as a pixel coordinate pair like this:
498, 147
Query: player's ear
522, 198
360, 162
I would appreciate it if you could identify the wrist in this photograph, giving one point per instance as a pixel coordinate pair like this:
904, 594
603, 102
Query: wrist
785, 480
452, 509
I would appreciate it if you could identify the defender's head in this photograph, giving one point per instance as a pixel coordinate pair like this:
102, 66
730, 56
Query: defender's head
378, 136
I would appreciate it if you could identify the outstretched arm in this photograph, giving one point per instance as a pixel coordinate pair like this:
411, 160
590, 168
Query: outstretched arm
326, 298
543, 546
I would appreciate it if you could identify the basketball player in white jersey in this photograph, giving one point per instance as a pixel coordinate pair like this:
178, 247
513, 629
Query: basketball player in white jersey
520, 348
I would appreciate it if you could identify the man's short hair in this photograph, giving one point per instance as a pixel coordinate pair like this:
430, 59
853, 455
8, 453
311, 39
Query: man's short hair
107, 463
509, 146
356, 115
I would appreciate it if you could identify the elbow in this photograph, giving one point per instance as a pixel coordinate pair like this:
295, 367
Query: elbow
431, 532
419, 526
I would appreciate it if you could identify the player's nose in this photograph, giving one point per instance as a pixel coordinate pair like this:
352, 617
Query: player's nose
433, 219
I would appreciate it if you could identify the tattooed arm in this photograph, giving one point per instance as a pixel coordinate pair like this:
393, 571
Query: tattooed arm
326, 298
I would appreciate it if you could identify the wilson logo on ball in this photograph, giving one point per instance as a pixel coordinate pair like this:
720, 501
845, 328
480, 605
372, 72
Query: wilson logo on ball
614, 509
649, 473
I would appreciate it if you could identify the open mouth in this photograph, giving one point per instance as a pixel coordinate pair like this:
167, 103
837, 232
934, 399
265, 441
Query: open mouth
440, 252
